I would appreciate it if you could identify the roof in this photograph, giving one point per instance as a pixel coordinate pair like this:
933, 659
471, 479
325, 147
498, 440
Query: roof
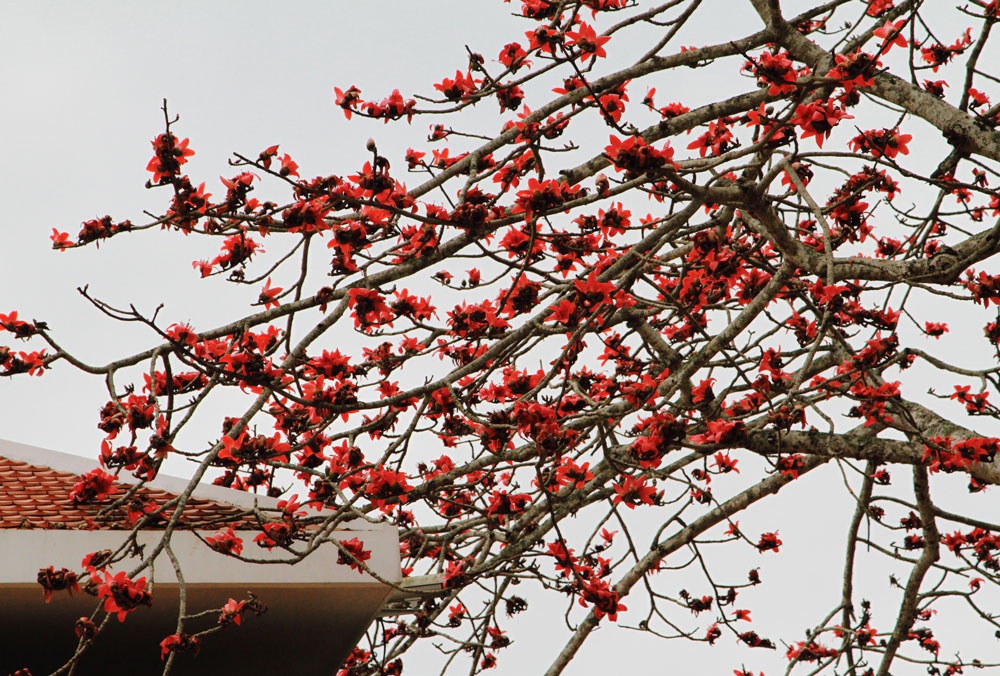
37, 496
318, 608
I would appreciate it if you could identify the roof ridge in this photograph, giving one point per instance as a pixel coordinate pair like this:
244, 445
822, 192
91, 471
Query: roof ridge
79, 464
204, 496
36, 491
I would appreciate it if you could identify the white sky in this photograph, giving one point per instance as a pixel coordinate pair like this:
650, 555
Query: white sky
82, 86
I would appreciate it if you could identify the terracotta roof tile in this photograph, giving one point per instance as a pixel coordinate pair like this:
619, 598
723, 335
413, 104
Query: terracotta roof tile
34, 496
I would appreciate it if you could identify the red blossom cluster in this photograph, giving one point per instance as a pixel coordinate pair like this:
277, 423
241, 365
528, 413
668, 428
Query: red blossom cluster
121, 594
549, 335
94, 486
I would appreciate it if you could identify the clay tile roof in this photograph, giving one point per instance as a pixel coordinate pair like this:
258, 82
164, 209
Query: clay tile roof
35, 496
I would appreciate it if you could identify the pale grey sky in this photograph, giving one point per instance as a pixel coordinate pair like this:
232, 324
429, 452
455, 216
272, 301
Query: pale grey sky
82, 85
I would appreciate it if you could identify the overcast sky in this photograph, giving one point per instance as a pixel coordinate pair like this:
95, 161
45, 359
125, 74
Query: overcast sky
82, 85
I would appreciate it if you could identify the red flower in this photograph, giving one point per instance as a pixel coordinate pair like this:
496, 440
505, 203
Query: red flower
96, 560
935, 329
265, 157
53, 580
455, 90
856, 69
347, 100
718, 139
759, 117
288, 166
703, 392
878, 7
751, 639
791, 465
503, 504
512, 56
634, 490
569, 473
232, 612
775, 70
182, 334
245, 448
391, 108
238, 186
961, 455
413, 158
123, 595
225, 541
32, 363
236, 250
881, 142
699, 605
93, 486
169, 155
635, 157
673, 110
809, 652
935, 87
538, 9
85, 629
269, 296
725, 464
412, 307
357, 551
386, 486
974, 403
721, 432
883, 478
588, 42
976, 99
178, 643
60, 240
602, 597
369, 308
543, 39
475, 321
97, 229
818, 119
891, 34
927, 641
591, 293
276, 534
456, 614
455, 575
938, 55
612, 107
541, 197
769, 541
19, 328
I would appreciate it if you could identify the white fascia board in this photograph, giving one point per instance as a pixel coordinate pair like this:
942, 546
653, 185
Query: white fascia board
24, 552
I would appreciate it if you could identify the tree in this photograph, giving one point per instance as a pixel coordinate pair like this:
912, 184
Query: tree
598, 331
